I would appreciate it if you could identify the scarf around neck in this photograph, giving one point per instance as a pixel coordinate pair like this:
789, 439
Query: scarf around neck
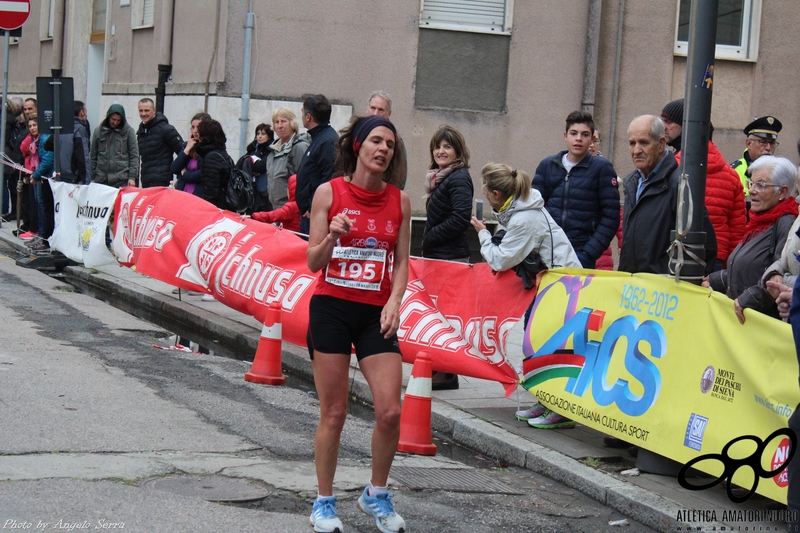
278, 144
760, 222
437, 175
506, 205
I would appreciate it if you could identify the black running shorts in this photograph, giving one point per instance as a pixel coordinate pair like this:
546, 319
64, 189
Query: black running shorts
336, 325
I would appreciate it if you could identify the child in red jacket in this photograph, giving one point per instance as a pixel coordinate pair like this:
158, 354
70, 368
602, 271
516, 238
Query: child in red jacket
288, 215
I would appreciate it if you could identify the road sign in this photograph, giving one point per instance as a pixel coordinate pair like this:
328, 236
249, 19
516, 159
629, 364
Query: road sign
14, 13
45, 103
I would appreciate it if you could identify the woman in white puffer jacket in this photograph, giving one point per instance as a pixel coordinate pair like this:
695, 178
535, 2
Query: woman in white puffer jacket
529, 228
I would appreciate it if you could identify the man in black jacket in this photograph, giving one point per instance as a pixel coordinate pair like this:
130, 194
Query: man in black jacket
159, 141
580, 191
15, 133
316, 167
651, 200
73, 156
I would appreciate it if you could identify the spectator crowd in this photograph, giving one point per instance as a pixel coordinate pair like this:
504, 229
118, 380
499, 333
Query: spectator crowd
566, 215
749, 221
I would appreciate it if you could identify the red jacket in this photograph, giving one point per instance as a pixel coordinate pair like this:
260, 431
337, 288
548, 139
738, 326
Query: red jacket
724, 201
28, 147
289, 214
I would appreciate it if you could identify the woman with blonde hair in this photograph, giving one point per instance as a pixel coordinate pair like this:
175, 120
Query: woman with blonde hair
528, 228
287, 151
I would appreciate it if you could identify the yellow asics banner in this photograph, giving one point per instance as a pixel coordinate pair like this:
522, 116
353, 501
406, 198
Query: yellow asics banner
666, 366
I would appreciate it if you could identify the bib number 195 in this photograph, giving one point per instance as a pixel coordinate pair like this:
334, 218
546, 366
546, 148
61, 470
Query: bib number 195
351, 270
356, 268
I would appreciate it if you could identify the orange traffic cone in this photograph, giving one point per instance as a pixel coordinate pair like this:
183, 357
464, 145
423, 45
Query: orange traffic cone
267, 362
415, 418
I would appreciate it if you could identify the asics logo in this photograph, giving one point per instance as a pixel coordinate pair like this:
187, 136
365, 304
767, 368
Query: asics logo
347, 211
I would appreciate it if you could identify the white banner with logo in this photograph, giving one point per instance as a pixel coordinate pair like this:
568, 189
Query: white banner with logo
81, 216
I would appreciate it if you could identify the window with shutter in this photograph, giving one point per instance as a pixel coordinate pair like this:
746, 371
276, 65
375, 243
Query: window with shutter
738, 23
47, 11
467, 43
51, 18
142, 14
480, 16
147, 15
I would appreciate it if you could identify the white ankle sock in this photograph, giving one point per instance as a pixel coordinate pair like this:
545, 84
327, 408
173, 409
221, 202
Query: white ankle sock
376, 491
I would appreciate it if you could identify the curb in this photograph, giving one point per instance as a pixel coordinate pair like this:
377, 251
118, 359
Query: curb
232, 339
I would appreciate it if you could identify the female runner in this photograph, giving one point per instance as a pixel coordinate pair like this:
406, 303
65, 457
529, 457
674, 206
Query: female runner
359, 242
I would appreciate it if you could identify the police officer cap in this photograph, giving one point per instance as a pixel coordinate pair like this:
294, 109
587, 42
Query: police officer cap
764, 127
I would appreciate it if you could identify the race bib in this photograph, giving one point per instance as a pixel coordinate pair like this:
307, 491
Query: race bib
356, 268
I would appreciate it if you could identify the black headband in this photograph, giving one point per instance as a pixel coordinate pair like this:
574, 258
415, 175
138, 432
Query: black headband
364, 126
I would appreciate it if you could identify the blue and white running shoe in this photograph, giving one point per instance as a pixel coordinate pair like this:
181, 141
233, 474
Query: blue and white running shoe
381, 509
324, 517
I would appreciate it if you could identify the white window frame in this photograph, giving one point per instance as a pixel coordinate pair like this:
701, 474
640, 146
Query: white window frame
460, 19
139, 8
748, 51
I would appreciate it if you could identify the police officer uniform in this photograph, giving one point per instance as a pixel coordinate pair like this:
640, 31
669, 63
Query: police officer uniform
764, 127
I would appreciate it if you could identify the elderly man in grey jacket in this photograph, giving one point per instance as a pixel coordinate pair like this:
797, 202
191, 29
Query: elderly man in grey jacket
115, 151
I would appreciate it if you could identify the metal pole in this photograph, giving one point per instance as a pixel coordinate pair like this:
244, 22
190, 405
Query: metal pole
694, 149
592, 48
694, 162
3, 116
612, 129
165, 53
164, 72
56, 83
248, 44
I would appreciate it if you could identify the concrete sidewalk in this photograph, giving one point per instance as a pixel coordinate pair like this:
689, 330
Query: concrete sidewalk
477, 415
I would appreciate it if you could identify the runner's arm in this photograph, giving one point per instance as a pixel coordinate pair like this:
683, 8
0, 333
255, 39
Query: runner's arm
322, 235
390, 316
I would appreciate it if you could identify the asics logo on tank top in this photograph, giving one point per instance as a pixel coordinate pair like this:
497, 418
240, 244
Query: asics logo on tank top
347, 211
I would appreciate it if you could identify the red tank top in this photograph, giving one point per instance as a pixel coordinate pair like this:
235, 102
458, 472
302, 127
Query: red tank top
360, 268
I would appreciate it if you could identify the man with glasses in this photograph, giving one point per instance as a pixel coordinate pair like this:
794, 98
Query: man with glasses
762, 138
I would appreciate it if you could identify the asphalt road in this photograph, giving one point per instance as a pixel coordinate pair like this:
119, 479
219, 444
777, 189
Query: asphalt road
103, 430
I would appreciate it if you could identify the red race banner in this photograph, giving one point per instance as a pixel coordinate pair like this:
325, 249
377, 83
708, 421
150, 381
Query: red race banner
460, 314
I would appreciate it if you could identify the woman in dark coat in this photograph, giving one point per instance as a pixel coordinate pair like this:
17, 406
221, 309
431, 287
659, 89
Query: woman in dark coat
187, 164
773, 209
216, 164
257, 151
448, 193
